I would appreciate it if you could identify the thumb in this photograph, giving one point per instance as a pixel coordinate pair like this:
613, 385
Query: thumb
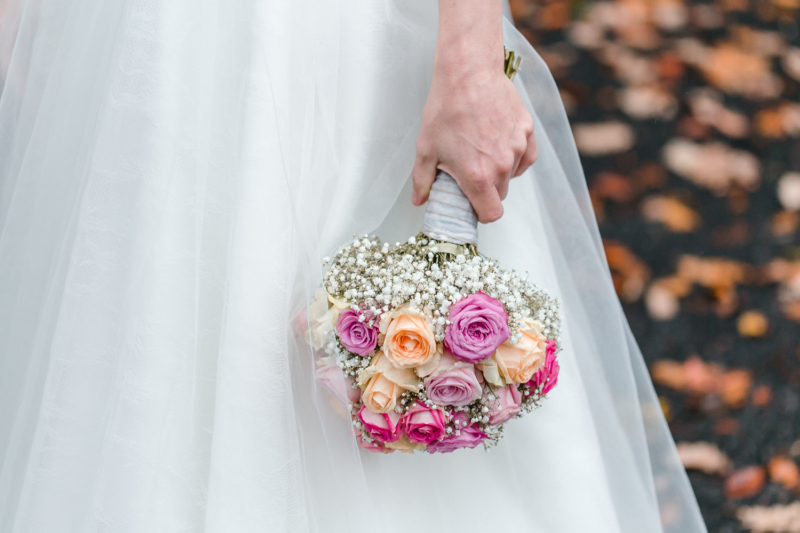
423, 175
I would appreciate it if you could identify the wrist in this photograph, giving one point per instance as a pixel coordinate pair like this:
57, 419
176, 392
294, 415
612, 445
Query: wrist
470, 38
458, 58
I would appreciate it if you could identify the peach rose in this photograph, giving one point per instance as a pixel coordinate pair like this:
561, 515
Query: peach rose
383, 384
517, 363
409, 341
404, 445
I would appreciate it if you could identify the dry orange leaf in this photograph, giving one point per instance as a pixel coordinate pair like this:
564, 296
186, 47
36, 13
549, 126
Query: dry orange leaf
769, 124
789, 191
671, 212
703, 456
745, 482
603, 138
784, 223
738, 72
752, 324
726, 426
613, 186
661, 302
762, 395
774, 519
784, 470
714, 166
735, 387
700, 377
553, 15
712, 272
629, 273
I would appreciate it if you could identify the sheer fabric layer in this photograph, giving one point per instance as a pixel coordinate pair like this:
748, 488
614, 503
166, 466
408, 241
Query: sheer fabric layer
170, 175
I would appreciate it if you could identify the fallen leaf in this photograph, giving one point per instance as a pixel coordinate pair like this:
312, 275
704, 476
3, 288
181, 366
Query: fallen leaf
735, 387
769, 124
726, 426
789, 191
791, 62
712, 272
650, 176
745, 482
700, 377
553, 15
794, 449
703, 456
707, 17
669, 66
613, 186
671, 212
643, 102
629, 273
587, 34
669, 373
737, 234
714, 166
707, 108
752, 324
670, 15
738, 72
784, 470
784, 223
603, 138
762, 395
774, 519
661, 303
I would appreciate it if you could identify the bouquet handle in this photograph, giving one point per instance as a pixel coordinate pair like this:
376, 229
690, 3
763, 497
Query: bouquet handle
450, 216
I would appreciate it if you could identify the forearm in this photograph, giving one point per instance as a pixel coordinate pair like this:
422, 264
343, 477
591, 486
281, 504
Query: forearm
470, 38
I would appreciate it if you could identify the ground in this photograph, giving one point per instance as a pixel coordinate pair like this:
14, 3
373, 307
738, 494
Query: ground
686, 115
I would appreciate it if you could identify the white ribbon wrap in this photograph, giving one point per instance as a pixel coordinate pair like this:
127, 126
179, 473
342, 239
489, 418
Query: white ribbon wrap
450, 216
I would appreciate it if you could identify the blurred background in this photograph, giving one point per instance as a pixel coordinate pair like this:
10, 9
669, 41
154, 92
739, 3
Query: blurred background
687, 119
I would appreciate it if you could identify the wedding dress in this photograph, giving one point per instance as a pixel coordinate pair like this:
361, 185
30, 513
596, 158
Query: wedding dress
171, 174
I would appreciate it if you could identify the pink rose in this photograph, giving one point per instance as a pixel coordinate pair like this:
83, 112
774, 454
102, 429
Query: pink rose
547, 376
356, 336
470, 435
453, 382
330, 376
373, 446
383, 427
424, 424
479, 324
507, 404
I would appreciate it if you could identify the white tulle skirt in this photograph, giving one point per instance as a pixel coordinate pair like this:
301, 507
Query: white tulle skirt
171, 173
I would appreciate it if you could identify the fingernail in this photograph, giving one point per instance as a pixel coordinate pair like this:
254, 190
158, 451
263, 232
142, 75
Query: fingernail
415, 198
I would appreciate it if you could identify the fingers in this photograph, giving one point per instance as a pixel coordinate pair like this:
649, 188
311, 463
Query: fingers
502, 189
423, 174
530, 153
485, 198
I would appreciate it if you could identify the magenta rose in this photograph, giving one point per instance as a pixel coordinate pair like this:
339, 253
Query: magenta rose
507, 404
373, 446
453, 382
478, 325
381, 427
547, 376
330, 375
424, 424
356, 336
469, 435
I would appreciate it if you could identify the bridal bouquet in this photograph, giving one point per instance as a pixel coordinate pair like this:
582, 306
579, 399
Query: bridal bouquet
437, 345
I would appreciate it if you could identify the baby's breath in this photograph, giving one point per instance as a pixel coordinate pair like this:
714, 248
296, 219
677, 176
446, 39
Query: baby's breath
370, 276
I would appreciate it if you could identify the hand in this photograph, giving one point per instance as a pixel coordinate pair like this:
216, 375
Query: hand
474, 124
